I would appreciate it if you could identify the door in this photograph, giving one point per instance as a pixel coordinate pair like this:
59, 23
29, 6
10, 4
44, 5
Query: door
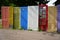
24, 17
43, 17
5, 17
58, 18
33, 17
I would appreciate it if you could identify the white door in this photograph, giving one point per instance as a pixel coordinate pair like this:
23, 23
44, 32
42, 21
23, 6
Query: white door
33, 17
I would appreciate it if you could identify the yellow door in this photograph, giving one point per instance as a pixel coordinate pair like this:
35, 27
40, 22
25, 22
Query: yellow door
52, 20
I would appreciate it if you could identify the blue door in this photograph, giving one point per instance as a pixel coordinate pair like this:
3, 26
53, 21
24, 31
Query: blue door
58, 18
24, 16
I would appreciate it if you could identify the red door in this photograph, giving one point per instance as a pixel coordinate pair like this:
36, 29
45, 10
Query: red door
43, 17
5, 17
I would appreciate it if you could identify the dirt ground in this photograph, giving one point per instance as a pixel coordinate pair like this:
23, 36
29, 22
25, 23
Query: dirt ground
8, 34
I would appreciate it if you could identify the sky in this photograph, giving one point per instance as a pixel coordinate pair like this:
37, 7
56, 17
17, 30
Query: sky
51, 3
